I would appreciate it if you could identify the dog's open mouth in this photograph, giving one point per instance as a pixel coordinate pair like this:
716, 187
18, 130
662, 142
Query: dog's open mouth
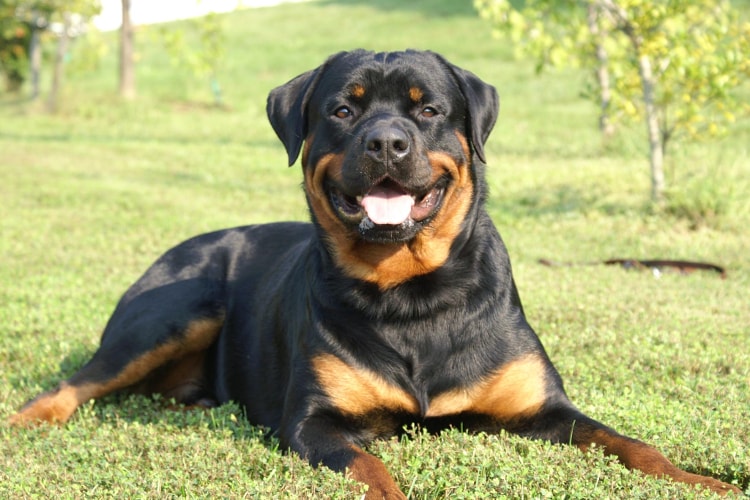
388, 204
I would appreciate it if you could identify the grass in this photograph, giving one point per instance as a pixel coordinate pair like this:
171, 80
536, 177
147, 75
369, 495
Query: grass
93, 195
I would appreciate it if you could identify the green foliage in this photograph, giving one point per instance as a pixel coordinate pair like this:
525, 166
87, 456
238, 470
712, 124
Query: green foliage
698, 49
676, 65
14, 42
90, 51
207, 34
710, 191
17, 20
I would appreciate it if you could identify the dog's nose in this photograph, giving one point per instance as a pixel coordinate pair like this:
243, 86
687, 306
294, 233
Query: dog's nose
387, 144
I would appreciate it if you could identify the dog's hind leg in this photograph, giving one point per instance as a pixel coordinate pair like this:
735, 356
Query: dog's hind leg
154, 342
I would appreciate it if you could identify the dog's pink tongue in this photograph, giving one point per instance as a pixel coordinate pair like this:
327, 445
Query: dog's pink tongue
387, 206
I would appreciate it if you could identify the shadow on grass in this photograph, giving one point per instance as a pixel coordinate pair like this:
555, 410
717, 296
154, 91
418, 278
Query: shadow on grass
557, 199
147, 409
50, 138
24, 381
430, 8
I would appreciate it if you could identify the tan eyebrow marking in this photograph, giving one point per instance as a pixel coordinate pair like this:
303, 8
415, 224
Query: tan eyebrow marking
358, 91
416, 94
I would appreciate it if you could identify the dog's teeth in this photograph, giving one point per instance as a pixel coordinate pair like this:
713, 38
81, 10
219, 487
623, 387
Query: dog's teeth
366, 224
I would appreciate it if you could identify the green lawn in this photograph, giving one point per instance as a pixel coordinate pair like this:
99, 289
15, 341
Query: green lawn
91, 196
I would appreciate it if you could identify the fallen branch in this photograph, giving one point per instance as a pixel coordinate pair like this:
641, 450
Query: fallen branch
657, 265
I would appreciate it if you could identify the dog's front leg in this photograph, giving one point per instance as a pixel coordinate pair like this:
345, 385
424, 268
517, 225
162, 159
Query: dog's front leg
322, 440
637, 455
565, 424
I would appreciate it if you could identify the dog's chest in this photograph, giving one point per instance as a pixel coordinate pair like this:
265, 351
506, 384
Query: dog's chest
515, 388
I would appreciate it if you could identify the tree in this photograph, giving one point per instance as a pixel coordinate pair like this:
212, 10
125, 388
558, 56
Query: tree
74, 15
63, 41
673, 64
22, 23
204, 56
599, 37
15, 35
38, 25
127, 65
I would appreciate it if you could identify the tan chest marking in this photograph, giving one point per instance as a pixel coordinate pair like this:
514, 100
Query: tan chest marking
357, 391
516, 389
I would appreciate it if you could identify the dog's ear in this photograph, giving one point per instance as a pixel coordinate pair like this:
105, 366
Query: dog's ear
287, 108
483, 106
287, 111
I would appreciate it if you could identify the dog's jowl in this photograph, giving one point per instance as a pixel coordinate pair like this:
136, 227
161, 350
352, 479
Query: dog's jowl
396, 305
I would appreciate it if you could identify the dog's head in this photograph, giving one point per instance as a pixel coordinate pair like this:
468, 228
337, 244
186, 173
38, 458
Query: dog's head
390, 146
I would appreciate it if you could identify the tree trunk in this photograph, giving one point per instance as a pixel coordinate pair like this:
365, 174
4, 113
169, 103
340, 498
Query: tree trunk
35, 53
648, 83
602, 71
127, 67
59, 68
35, 56
656, 149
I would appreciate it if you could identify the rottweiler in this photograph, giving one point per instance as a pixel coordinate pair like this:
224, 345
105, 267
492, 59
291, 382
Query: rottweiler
395, 305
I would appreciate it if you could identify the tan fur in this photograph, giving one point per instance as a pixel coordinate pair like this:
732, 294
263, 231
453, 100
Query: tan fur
416, 94
58, 405
358, 391
516, 389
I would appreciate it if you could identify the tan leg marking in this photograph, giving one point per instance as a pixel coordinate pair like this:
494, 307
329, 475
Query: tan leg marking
59, 404
370, 470
634, 454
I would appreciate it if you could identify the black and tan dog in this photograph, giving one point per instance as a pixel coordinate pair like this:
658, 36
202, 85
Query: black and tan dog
395, 305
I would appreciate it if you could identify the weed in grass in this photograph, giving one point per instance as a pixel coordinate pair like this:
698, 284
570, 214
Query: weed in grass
710, 196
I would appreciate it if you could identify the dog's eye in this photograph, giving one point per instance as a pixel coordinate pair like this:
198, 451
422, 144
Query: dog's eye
429, 112
343, 112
